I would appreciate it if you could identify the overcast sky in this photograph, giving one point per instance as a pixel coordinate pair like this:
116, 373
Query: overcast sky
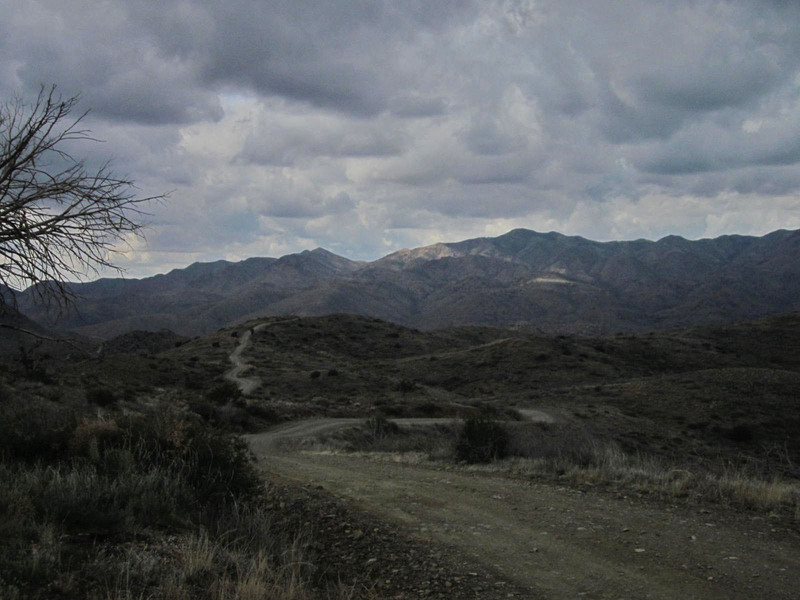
366, 126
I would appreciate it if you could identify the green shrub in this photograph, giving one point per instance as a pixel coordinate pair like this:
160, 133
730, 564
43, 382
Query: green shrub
100, 396
741, 433
481, 440
202, 407
216, 465
430, 409
380, 427
34, 431
264, 413
192, 381
225, 392
219, 466
405, 386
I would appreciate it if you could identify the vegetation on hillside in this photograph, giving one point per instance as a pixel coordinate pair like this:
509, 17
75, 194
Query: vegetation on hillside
121, 475
149, 501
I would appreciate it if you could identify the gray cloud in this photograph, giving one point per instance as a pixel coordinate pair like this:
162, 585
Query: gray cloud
287, 139
305, 207
363, 125
710, 147
417, 106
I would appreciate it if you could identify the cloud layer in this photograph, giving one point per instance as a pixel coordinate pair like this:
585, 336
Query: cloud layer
366, 126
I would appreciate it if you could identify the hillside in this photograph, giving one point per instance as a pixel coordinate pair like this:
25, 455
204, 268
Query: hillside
679, 393
683, 393
534, 281
650, 441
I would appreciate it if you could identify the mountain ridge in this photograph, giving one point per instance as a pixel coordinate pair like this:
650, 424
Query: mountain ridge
548, 281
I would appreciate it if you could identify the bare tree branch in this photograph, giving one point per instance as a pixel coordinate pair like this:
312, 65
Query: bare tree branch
57, 223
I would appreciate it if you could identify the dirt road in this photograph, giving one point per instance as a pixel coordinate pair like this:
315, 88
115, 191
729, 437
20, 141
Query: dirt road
560, 542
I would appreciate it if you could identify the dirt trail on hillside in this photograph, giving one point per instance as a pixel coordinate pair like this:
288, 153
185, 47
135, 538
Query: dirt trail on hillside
558, 542
246, 384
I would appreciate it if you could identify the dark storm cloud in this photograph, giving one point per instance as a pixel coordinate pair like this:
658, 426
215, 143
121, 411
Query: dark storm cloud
338, 55
107, 57
158, 63
710, 148
288, 120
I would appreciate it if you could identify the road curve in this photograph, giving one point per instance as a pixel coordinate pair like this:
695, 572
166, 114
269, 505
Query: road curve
557, 542
307, 428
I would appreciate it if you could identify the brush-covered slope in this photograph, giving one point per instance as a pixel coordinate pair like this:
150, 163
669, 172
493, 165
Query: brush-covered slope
723, 391
194, 300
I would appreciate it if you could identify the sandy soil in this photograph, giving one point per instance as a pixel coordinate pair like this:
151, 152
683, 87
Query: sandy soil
558, 542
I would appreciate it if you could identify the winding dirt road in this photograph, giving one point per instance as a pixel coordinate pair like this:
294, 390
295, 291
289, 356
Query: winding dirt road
557, 542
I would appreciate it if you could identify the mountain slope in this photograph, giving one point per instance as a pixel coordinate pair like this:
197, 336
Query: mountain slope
194, 300
550, 282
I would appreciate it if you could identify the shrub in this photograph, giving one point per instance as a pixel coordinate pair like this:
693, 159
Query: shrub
741, 433
33, 431
406, 386
225, 392
429, 409
380, 427
202, 407
192, 381
216, 465
100, 396
219, 466
79, 497
92, 437
481, 440
265, 413
560, 445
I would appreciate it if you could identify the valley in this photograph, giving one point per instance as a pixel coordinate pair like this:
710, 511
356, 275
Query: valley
647, 465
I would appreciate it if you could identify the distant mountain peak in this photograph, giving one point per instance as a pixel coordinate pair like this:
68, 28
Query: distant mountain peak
554, 282
408, 255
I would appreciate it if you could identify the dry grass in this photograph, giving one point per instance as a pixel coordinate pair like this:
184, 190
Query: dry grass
152, 506
572, 453
602, 462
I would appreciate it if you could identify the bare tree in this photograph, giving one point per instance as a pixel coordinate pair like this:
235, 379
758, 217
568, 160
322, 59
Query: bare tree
59, 221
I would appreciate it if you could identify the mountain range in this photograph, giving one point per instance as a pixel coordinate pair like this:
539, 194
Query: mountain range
536, 281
